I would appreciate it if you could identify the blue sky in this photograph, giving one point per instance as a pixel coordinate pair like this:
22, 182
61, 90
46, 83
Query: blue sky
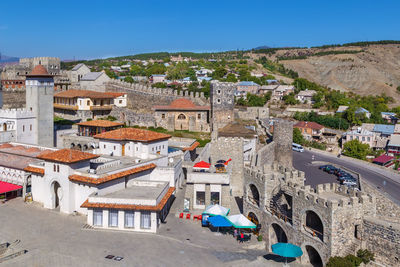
92, 29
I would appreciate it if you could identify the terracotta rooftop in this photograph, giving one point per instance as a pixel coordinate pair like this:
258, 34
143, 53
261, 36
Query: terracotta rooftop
67, 156
34, 170
182, 104
39, 70
7, 145
132, 134
91, 180
159, 206
83, 93
236, 130
192, 147
115, 94
100, 123
308, 124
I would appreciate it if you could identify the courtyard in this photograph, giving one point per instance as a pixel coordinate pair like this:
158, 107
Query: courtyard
55, 239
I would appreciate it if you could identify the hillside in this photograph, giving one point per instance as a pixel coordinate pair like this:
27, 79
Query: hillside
364, 70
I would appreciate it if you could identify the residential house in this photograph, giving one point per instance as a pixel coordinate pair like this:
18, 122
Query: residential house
363, 111
389, 117
91, 128
384, 130
393, 147
158, 78
267, 88
362, 135
248, 87
342, 109
310, 130
83, 104
306, 96
95, 81
281, 91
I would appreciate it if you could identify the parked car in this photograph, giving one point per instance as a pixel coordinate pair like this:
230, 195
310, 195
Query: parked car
349, 183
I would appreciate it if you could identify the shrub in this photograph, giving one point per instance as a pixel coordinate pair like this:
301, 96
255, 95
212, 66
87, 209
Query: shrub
259, 238
348, 261
365, 255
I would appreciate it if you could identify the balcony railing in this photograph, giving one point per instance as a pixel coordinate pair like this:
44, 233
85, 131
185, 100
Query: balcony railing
63, 106
274, 211
314, 232
105, 107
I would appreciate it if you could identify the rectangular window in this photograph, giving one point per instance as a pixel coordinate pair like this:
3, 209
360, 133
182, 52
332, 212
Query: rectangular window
98, 217
200, 198
114, 147
113, 218
58, 168
145, 219
30, 127
363, 138
120, 101
214, 198
163, 116
104, 146
23, 128
129, 219
199, 116
88, 103
54, 167
369, 139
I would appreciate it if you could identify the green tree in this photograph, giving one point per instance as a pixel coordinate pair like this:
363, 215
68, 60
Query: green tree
231, 78
356, 149
219, 73
298, 137
128, 79
156, 69
160, 85
348, 261
365, 255
290, 99
398, 89
179, 71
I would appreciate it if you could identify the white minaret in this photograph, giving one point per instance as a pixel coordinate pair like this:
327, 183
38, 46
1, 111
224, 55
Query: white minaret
39, 99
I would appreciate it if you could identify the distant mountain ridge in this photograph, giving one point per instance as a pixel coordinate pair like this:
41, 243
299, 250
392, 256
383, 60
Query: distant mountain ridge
4, 59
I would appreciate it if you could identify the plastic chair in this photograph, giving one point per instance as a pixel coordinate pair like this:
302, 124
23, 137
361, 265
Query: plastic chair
200, 217
181, 215
188, 216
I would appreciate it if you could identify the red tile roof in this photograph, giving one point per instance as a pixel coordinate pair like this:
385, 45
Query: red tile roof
91, 180
182, 104
132, 134
192, 147
83, 93
7, 145
100, 123
159, 206
115, 94
383, 159
308, 124
67, 156
34, 170
39, 70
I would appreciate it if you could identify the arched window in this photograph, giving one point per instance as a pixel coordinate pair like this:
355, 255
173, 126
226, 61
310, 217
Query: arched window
181, 117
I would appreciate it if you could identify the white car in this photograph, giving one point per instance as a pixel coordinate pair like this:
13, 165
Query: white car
297, 147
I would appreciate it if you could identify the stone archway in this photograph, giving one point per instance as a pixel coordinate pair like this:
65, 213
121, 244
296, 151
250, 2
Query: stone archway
254, 219
56, 192
312, 256
277, 234
253, 195
313, 224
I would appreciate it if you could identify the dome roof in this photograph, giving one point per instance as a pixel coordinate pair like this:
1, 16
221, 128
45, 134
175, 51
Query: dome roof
39, 70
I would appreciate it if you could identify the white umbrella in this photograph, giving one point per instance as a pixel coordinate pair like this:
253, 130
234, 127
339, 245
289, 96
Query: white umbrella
240, 221
216, 210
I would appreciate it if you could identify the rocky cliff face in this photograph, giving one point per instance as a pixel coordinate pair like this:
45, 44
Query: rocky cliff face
375, 70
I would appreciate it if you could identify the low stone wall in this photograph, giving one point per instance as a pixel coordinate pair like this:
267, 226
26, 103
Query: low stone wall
131, 117
382, 238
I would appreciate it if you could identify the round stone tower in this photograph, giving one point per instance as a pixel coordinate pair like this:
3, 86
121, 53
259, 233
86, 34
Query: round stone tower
283, 139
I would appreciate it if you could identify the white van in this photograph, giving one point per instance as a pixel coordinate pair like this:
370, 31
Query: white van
297, 147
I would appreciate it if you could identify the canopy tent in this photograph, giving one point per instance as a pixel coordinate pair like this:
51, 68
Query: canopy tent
240, 221
202, 165
287, 250
215, 210
219, 221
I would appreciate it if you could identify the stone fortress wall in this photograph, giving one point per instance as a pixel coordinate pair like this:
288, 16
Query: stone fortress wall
329, 220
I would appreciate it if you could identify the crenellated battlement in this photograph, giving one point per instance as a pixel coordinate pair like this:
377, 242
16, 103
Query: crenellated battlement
331, 195
18, 113
137, 87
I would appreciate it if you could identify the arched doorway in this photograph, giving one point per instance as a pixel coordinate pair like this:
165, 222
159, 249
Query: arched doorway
253, 218
277, 234
253, 195
57, 194
314, 225
313, 257
5, 127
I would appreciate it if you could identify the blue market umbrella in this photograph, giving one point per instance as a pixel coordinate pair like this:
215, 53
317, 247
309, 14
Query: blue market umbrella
287, 250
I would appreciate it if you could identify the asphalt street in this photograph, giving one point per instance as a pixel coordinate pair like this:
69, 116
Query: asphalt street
384, 181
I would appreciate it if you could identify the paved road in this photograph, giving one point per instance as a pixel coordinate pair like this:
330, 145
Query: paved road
376, 177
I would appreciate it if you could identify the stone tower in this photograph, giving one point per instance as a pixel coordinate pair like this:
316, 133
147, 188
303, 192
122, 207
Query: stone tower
283, 139
222, 104
39, 99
